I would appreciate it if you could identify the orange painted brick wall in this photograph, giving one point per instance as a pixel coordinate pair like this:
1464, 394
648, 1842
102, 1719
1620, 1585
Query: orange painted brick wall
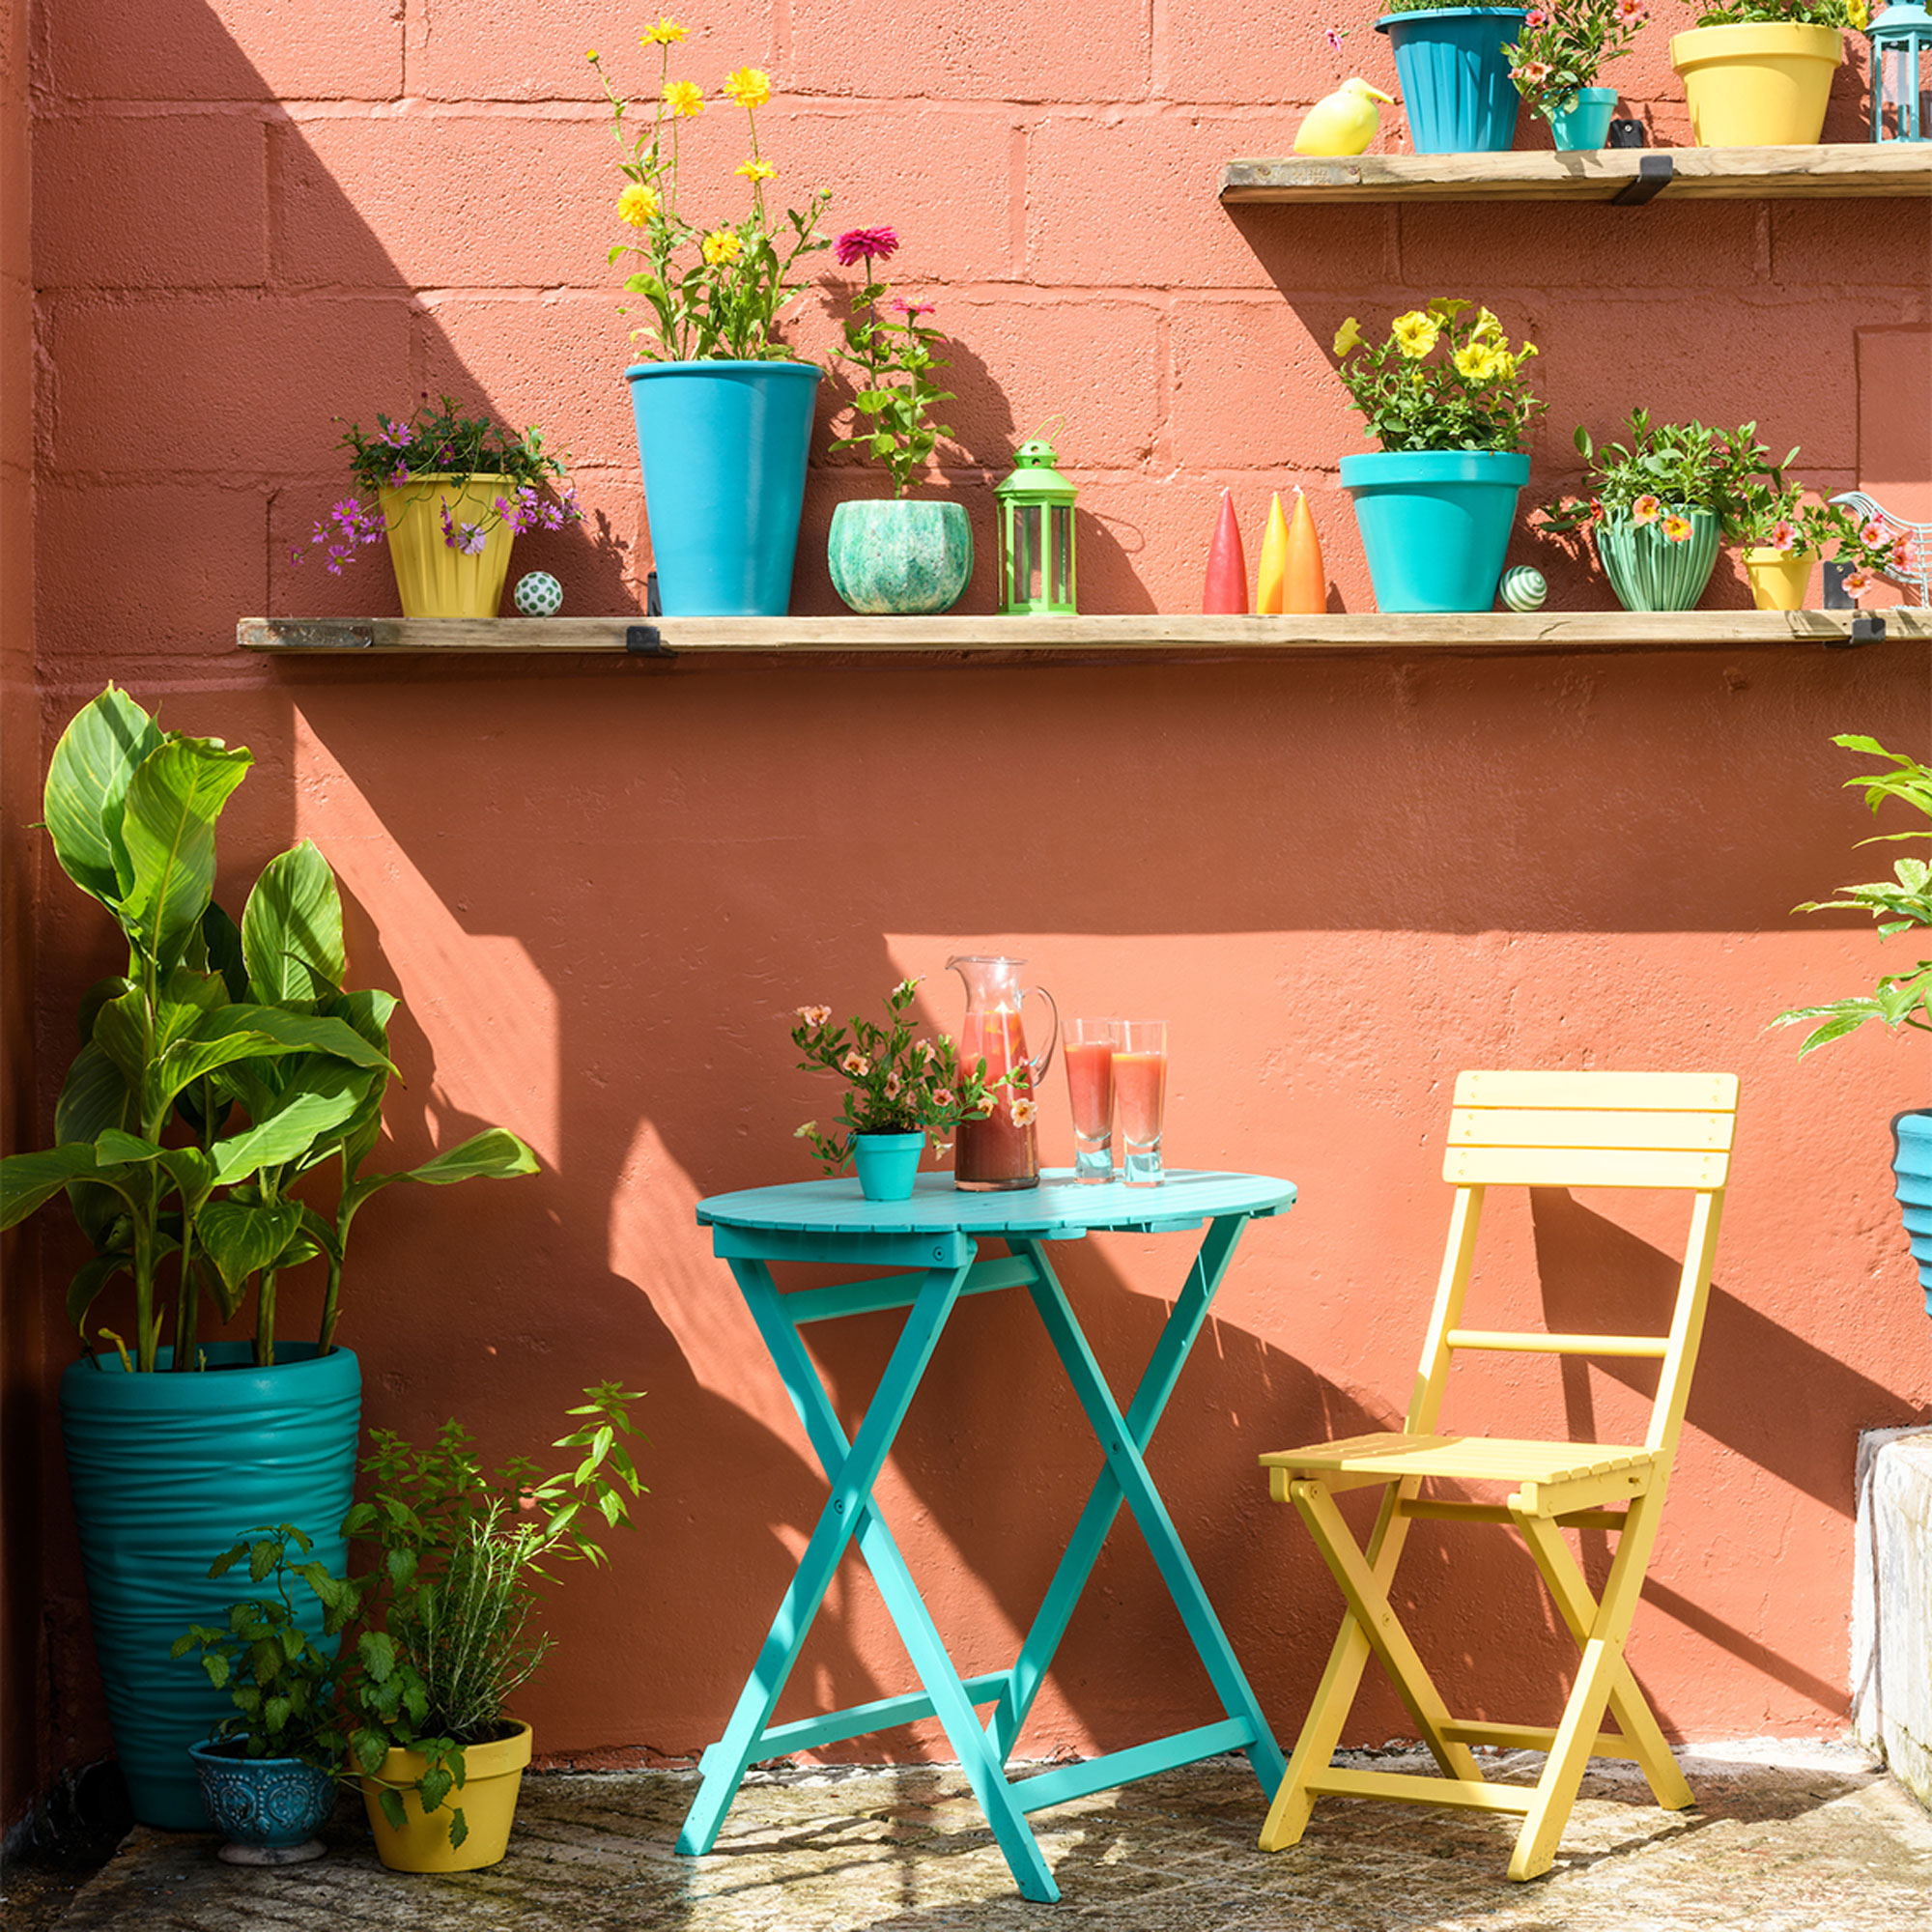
601, 886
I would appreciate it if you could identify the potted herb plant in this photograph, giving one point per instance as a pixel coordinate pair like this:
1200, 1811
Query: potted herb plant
1563, 47
1901, 904
900, 1088
723, 407
1449, 400
450, 492
1757, 73
1452, 63
1785, 537
907, 554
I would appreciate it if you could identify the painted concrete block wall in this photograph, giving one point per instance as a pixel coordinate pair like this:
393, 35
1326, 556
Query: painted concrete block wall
601, 886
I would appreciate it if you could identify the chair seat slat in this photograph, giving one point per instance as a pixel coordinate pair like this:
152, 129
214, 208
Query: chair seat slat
1459, 1457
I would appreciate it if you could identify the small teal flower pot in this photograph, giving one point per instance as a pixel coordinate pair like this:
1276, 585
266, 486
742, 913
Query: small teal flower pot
908, 557
723, 448
1452, 67
1648, 570
888, 1164
1911, 1165
269, 1808
1436, 523
1584, 121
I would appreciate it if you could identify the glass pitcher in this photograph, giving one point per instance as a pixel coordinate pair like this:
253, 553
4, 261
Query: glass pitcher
998, 1151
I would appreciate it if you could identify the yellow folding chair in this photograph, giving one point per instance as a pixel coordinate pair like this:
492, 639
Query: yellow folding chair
1642, 1130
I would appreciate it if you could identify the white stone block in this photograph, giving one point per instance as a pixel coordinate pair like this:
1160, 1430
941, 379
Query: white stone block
1892, 1604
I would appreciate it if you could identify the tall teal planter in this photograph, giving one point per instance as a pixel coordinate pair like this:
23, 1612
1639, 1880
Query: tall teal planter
1911, 1165
723, 447
167, 1472
1452, 67
1436, 523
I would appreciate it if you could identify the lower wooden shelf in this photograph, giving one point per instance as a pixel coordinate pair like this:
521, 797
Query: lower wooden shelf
661, 637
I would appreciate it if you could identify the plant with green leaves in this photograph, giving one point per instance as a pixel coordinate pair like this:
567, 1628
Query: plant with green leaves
1475, 394
1901, 904
1853, 14
1664, 473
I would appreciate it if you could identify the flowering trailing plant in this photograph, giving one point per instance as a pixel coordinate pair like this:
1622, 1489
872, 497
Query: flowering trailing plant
716, 290
439, 444
1853, 14
1664, 473
892, 416
1473, 396
896, 1083
1565, 44
1772, 515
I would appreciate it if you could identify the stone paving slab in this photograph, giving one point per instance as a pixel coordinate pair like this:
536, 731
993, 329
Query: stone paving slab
1785, 1839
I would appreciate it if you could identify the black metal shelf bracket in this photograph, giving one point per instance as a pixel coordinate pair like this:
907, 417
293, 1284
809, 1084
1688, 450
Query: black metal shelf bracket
1653, 176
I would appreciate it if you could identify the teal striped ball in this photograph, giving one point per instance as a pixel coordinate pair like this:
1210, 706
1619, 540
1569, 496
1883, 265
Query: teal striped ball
1523, 588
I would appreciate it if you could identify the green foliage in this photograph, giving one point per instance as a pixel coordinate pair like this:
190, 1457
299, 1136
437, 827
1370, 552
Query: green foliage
896, 395
1684, 466
1565, 44
1438, 7
441, 441
1473, 395
1853, 14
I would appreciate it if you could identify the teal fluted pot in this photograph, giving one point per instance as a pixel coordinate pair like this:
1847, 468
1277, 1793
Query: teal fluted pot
1911, 1165
910, 556
723, 448
1434, 522
1452, 69
167, 1472
1648, 570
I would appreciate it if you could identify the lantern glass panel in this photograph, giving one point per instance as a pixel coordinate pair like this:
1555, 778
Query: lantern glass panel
1026, 573
1902, 90
1060, 593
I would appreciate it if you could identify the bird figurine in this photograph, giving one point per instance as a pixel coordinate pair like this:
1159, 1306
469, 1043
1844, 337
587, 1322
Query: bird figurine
1342, 123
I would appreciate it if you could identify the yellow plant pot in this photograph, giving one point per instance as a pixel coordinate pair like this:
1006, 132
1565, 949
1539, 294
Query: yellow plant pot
434, 579
492, 1776
1779, 578
1759, 85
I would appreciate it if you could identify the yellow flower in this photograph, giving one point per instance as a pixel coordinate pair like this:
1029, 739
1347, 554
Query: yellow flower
1348, 337
1446, 308
721, 246
637, 205
756, 171
591, 55
1415, 334
1488, 329
749, 87
684, 97
667, 33
1854, 12
1478, 362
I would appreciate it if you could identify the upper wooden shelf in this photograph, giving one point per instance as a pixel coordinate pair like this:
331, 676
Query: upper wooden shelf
1541, 631
1603, 174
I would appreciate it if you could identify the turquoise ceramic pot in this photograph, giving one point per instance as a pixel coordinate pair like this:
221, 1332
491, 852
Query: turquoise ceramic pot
1911, 1164
1452, 68
167, 1472
905, 555
1584, 120
723, 447
1436, 523
274, 1804
888, 1164
1648, 570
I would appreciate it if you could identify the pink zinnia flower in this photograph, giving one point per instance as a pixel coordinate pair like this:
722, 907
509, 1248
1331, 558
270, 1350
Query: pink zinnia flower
1646, 510
864, 245
1783, 535
1677, 529
910, 309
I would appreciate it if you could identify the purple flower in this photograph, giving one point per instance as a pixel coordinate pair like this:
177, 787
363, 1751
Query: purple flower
399, 475
467, 539
865, 244
910, 310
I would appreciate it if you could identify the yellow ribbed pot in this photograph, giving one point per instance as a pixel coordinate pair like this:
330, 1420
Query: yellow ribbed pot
434, 580
492, 1776
1779, 578
1757, 85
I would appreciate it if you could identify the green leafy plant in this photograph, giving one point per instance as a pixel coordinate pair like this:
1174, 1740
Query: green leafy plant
716, 291
1665, 470
1771, 513
1565, 44
1473, 395
1901, 904
1438, 7
1853, 14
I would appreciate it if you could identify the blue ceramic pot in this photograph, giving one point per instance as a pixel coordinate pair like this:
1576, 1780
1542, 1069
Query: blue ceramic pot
1584, 121
167, 1470
723, 447
910, 556
269, 1804
1436, 523
1911, 1164
888, 1164
1452, 67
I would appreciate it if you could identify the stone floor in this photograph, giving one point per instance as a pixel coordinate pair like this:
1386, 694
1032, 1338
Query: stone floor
1785, 1839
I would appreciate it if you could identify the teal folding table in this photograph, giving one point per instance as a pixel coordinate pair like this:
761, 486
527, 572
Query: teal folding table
933, 1239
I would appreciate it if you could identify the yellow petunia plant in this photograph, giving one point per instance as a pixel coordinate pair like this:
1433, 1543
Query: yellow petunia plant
1475, 394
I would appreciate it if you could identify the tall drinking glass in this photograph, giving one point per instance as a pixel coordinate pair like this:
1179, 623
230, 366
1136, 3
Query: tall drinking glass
1140, 1086
1089, 1051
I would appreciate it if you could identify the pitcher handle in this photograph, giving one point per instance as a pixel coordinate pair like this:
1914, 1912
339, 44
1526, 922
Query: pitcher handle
1037, 1067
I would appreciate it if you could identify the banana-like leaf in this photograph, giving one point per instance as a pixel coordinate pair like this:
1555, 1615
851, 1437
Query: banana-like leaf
368, 1011
232, 1034
291, 930
221, 940
28, 1181
192, 1171
84, 1290
95, 1098
168, 827
96, 996
289, 1132
322, 1233
114, 1145
87, 788
121, 1032
240, 1239
493, 1154
186, 1000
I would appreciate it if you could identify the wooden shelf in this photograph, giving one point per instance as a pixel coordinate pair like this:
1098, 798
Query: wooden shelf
1542, 631
1837, 168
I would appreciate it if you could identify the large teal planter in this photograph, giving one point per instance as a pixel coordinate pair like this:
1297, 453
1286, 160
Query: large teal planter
908, 556
1436, 523
1648, 570
723, 447
167, 1472
1452, 67
1584, 121
1911, 1164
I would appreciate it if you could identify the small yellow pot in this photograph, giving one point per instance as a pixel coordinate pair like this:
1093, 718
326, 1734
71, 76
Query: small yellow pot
1759, 85
436, 581
492, 1776
1779, 578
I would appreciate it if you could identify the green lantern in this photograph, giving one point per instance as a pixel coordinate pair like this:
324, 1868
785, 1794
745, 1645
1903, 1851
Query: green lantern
1036, 536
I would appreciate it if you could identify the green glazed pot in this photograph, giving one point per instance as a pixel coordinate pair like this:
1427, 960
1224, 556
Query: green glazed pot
1649, 572
909, 556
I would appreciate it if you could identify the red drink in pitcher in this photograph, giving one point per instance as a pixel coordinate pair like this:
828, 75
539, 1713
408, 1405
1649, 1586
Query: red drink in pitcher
1003, 1150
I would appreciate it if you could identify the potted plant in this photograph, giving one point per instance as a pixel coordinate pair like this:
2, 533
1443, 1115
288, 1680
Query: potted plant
723, 408
898, 1088
1785, 537
1757, 73
909, 555
450, 492
1554, 63
1901, 904
1453, 65
1449, 401
222, 1067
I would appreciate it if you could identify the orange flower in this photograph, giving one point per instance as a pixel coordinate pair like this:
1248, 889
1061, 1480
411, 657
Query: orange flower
1646, 510
1677, 529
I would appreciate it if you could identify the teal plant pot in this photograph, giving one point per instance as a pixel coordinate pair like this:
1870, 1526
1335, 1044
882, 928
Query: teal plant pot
909, 556
723, 447
167, 1470
269, 1808
888, 1164
1584, 121
1435, 522
1648, 571
1911, 1167
1452, 67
